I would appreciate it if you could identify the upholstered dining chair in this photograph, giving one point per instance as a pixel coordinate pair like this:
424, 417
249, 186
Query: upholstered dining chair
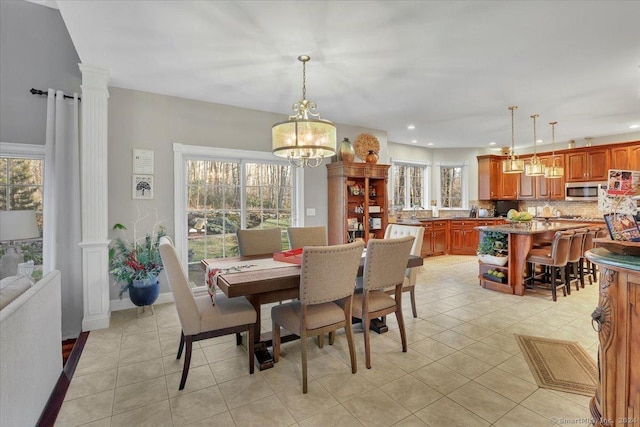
397, 230
259, 241
576, 249
307, 236
199, 318
328, 274
384, 266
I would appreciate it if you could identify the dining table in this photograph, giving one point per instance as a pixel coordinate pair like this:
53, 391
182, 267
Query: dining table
263, 280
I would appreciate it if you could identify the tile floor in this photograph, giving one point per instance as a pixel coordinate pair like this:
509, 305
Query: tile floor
463, 367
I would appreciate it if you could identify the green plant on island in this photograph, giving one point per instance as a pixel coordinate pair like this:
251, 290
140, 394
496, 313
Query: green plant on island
492, 243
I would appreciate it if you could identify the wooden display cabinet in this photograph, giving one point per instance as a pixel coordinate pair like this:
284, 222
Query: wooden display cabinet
358, 201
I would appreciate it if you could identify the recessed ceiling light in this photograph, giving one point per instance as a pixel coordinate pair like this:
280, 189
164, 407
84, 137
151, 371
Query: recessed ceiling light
539, 141
492, 143
634, 126
411, 127
430, 144
415, 141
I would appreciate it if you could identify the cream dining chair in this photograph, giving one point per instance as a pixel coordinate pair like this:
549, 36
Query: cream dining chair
384, 267
394, 231
199, 318
307, 236
328, 274
259, 241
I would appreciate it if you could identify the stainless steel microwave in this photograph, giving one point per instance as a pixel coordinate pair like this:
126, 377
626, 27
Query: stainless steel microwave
582, 191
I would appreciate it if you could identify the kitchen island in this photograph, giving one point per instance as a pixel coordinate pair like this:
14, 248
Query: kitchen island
521, 236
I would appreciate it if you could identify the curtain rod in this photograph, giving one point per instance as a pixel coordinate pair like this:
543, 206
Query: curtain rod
41, 92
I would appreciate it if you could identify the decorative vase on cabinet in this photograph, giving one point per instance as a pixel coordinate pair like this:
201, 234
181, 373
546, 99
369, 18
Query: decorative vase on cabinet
346, 153
372, 157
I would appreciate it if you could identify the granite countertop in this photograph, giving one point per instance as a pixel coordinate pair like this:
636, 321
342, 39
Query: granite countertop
418, 221
537, 227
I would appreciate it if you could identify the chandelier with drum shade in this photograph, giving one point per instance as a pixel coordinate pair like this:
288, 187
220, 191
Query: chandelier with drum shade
512, 164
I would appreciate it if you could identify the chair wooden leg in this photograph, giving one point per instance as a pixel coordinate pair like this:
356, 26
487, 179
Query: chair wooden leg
367, 342
320, 340
180, 346
403, 333
238, 338
251, 347
566, 289
554, 295
412, 292
332, 337
348, 328
275, 338
187, 361
303, 342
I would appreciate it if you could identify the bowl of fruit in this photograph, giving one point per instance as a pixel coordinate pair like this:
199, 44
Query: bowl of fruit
495, 276
519, 218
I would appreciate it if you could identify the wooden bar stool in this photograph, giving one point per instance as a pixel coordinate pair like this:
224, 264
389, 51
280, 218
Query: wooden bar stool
553, 260
585, 265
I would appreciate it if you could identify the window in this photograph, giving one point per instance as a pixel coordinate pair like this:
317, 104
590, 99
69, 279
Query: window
223, 195
409, 183
452, 187
22, 188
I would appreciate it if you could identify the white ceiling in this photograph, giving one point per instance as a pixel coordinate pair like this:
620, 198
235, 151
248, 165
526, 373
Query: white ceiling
451, 68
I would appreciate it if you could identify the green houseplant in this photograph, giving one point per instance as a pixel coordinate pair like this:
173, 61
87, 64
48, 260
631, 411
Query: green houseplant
136, 264
493, 247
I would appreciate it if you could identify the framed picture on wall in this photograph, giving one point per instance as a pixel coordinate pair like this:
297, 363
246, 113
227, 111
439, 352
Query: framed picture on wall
142, 187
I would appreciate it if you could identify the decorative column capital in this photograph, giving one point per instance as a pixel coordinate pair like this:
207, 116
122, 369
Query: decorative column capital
94, 77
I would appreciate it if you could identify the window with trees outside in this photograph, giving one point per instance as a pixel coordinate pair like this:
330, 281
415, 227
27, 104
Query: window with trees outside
224, 196
21, 188
451, 187
409, 182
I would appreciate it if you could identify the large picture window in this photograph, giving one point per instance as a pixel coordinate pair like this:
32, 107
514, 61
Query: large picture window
22, 188
452, 187
409, 185
223, 195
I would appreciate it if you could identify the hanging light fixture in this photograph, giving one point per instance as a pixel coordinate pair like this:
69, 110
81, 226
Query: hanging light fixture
512, 164
553, 171
534, 167
304, 139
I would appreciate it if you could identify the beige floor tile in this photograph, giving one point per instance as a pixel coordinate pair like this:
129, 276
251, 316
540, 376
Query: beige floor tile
171, 364
156, 415
427, 328
447, 413
221, 351
442, 320
283, 376
140, 325
198, 405
506, 384
502, 342
518, 367
440, 377
102, 345
409, 361
411, 393
486, 353
228, 369
150, 337
223, 419
85, 409
522, 417
139, 372
244, 390
465, 365
94, 364
140, 394
482, 401
552, 406
382, 371
267, 412
472, 331
453, 339
375, 408
333, 417
104, 422
303, 406
139, 353
433, 349
411, 421
344, 387
327, 364
91, 384
199, 377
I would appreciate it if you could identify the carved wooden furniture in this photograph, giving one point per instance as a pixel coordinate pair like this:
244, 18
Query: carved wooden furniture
617, 321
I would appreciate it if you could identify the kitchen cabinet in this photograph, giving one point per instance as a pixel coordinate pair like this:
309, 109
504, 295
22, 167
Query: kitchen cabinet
625, 157
434, 241
587, 165
492, 183
539, 187
358, 201
462, 237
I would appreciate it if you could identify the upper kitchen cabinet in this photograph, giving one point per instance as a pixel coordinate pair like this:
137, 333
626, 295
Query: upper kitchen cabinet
625, 157
587, 165
539, 187
492, 183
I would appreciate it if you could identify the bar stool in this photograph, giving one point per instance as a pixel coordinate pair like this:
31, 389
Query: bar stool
585, 265
553, 259
575, 254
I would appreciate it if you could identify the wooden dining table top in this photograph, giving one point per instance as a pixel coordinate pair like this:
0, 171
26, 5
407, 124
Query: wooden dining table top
276, 278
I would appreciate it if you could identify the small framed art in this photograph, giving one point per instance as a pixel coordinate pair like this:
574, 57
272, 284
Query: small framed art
142, 187
622, 227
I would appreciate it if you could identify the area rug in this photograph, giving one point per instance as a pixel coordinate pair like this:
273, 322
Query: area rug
559, 365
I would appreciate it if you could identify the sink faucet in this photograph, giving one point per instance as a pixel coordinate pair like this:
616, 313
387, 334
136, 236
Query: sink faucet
414, 215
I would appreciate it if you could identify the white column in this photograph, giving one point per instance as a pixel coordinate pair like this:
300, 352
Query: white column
94, 197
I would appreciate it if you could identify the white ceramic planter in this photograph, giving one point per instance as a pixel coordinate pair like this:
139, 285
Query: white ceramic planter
495, 260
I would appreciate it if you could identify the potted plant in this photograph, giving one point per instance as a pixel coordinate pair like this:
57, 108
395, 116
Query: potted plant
493, 248
135, 265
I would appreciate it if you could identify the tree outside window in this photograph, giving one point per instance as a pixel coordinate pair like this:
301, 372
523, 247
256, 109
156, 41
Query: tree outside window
451, 190
409, 185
